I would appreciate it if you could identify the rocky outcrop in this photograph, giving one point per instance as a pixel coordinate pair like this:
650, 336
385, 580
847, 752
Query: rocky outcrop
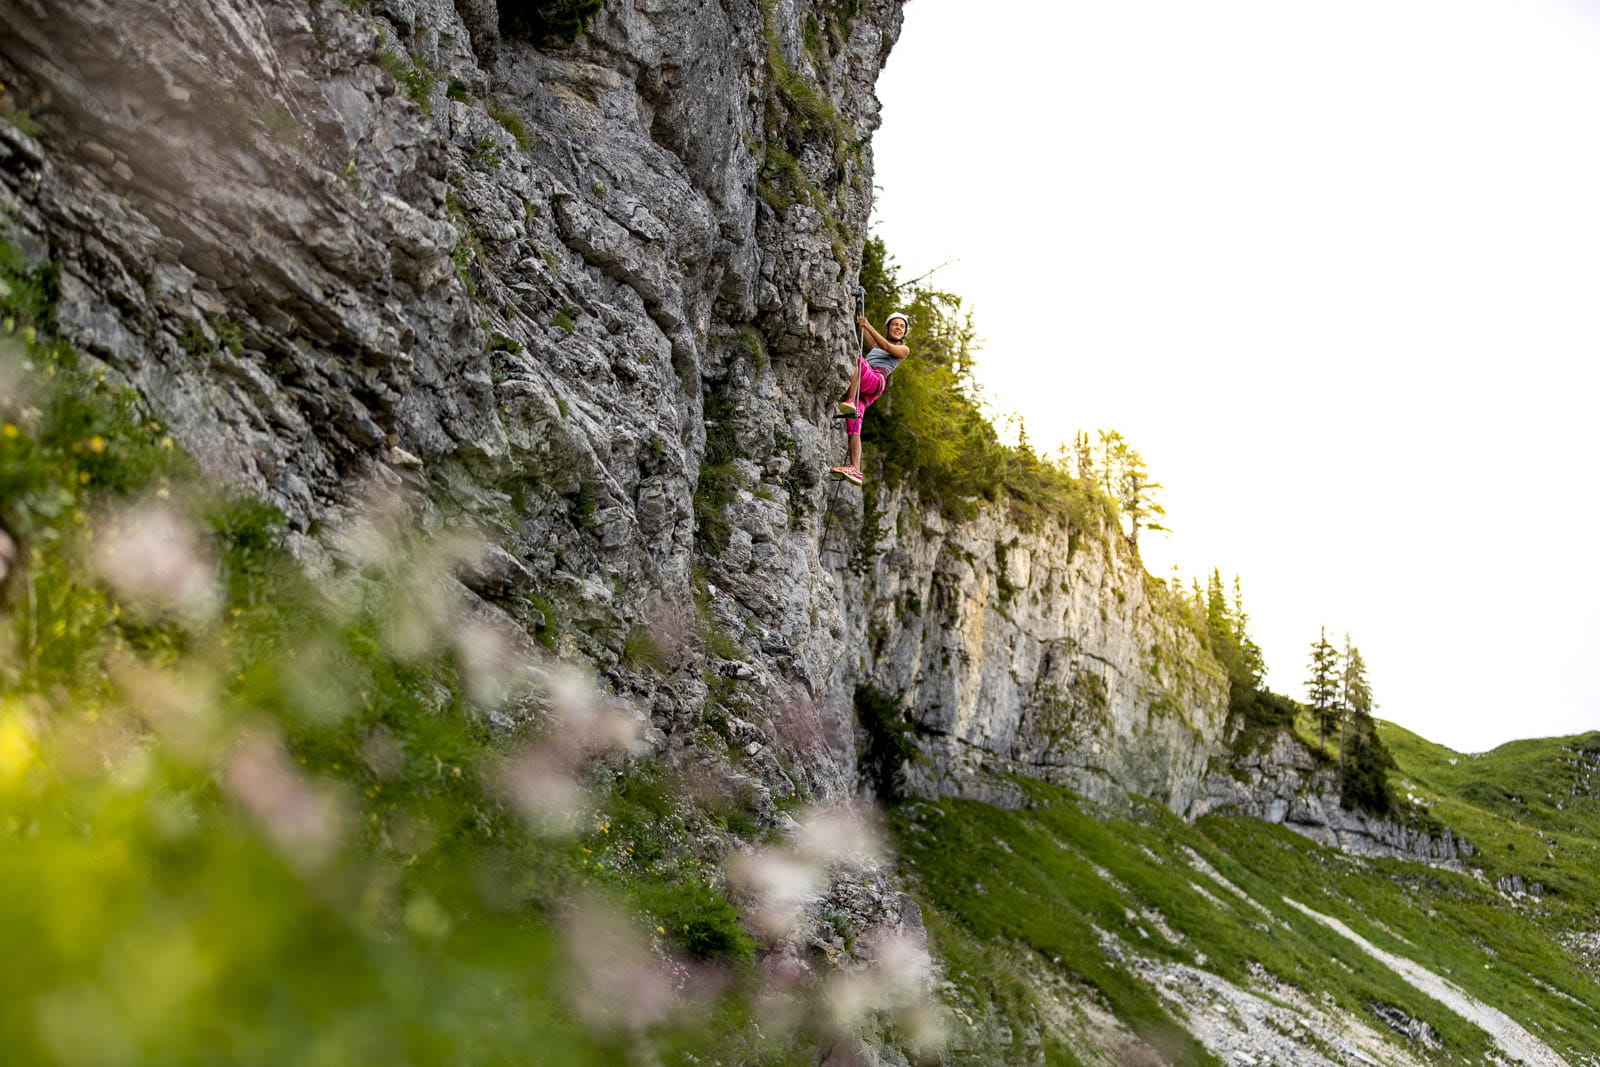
1284, 782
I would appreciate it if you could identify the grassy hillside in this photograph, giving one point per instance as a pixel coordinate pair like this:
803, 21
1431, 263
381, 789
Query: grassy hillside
1533, 810
1061, 903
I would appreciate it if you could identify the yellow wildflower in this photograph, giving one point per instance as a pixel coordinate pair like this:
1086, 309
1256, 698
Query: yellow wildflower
17, 749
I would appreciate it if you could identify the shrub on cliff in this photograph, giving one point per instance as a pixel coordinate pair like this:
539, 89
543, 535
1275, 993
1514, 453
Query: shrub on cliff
889, 745
546, 22
930, 428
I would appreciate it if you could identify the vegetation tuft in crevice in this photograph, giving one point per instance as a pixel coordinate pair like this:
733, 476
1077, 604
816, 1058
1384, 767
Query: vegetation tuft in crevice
549, 23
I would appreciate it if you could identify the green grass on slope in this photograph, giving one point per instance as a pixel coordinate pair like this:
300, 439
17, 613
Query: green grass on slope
1050, 877
1531, 808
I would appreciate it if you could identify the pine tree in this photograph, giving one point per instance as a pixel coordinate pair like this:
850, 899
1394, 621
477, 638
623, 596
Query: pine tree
1322, 688
1252, 663
1219, 622
1226, 626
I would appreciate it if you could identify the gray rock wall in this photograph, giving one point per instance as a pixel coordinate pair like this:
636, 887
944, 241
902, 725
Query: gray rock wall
347, 248
354, 248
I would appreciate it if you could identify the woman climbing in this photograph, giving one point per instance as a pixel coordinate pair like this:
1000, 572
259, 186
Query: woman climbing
868, 382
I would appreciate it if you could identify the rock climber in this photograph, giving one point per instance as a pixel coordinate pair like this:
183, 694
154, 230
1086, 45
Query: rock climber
868, 382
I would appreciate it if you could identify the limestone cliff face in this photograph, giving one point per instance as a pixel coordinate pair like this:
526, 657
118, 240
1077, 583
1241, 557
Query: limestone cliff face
592, 300
1044, 651
341, 247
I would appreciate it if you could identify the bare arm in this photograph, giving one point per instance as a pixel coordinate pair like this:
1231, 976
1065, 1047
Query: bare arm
898, 351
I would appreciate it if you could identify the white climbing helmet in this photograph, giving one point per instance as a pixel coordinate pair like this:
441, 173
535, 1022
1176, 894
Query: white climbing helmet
901, 315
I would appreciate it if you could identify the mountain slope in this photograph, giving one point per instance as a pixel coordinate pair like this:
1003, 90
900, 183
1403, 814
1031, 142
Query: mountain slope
1205, 941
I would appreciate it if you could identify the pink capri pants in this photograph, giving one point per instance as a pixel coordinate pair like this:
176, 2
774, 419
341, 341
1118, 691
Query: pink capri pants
872, 382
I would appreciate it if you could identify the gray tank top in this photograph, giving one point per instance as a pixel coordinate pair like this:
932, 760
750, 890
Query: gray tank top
883, 361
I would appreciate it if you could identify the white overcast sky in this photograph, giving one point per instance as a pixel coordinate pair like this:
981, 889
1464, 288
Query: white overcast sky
1334, 269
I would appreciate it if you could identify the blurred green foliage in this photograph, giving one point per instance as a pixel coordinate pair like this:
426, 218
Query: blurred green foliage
279, 831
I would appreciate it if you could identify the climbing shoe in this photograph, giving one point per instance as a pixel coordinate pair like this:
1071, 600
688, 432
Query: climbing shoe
838, 472
852, 476
848, 409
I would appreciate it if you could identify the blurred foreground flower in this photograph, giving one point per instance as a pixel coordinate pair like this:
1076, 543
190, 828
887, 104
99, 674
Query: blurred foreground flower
154, 561
841, 834
782, 880
305, 822
542, 783
374, 532
897, 979
799, 725
584, 721
8, 554
178, 704
494, 659
622, 984
780, 884
15, 388
543, 779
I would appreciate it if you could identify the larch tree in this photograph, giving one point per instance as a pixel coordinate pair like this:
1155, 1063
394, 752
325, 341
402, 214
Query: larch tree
1083, 457
1113, 448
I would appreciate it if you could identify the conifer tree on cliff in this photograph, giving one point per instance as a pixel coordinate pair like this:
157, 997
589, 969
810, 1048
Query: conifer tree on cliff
1355, 694
1124, 476
1322, 688
1137, 496
1252, 663
1364, 761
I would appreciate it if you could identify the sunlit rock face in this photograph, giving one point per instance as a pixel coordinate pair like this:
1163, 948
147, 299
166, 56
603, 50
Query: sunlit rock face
1038, 650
